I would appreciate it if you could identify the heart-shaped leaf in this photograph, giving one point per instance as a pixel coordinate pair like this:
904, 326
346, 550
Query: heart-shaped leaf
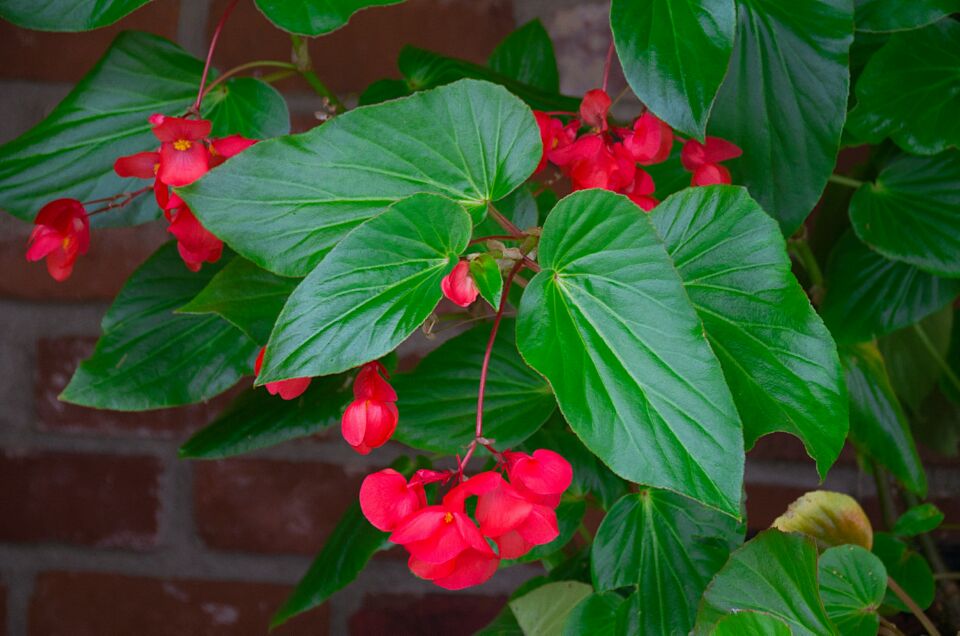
150, 357
870, 296
314, 17
526, 55
66, 15
773, 573
246, 106
778, 358
852, 584
912, 212
609, 324
675, 54
371, 291
438, 400
285, 203
669, 547
784, 101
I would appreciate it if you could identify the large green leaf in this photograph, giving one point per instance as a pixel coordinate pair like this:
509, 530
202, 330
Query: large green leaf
896, 15
526, 55
257, 420
675, 54
878, 427
438, 400
869, 296
669, 547
852, 585
749, 623
912, 212
425, 69
915, 357
246, 296
286, 202
778, 358
774, 573
544, 611
910, 91
595, 615
150, 357
909, 569
66, 15
608, 323
373, 290
784, 101
71, 152
314, 17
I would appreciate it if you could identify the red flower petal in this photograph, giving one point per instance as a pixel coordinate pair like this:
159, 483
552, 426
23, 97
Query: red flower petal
459, 286
710, 174
501, 510
170, 129
545, 472
594, 107
143, 165
471, 568
182, 162
370, 385
386, 499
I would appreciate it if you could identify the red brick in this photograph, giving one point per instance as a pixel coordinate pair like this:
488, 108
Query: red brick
99, 274
66, 57
56, 360
96, 604
434, 614
366, 49
98, 500
259, 505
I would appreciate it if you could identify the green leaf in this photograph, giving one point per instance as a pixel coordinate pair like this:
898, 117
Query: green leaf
910, 91
71, 152
246, 296
526, 55
778, 358
543, 611
257, 420
314, 17
784, 101
751, 624
896, 15
150, 357
66, 15
595, 615
915, 357
373, 290
425, 69
878, 426
829, 518
669, 547
908, 569
675, 54
486, 274
504, 624
383, 90
852, 585
286, 202
774, 573
918, 520
519, 206
870, 296
246, 106
608, 323
438, 400
912, 212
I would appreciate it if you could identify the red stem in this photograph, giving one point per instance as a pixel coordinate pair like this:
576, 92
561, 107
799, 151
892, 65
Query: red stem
495, 237
117, 200
213, 45
606, 66
504, 222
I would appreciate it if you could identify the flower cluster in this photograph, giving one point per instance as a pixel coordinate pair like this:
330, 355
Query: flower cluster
446, 545
186, 153
61, 233
610, 157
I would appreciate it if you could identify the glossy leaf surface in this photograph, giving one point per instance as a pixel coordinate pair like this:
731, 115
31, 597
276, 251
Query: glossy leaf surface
852, 584
314, 17
66, 15
526, 55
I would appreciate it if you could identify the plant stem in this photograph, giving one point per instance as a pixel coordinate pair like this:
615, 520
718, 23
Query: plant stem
504, 222
884, 494
947, 576
494, 237
606, 66
914, 608
886, 627
245, 67
801, 250
932, 350
213, 45
850, 182
117, 201
304, 65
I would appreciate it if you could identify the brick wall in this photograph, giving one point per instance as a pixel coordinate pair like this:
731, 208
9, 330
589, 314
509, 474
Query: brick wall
102, 529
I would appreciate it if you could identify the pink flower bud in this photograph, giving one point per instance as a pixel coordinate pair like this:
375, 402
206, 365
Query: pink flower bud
594, 107
368, 424
61, 233
459, 286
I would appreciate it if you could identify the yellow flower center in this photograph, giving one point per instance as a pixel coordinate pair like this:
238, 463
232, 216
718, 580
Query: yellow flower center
448, 518
182, 144
67, 241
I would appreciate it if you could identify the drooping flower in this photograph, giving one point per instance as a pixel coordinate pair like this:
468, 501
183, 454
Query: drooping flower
387, 499
543, 476
184, 157
459, 285
594, 108
286, 389
194, 242
703, 160
372, 417
61, 234
649, 141
554, 134
591, 162
516, 523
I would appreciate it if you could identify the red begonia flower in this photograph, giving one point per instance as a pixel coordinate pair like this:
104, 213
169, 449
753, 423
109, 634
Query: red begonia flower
226, 147
554, 134
594, 107
369, 384
459, 285
142, 165
368, 424
543, 476
641, 189
710, 174
591, 162
194, 242
61, 234
286, 389
184, 157
649, 141
514, 521
387, 499
695, 154
470, 567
